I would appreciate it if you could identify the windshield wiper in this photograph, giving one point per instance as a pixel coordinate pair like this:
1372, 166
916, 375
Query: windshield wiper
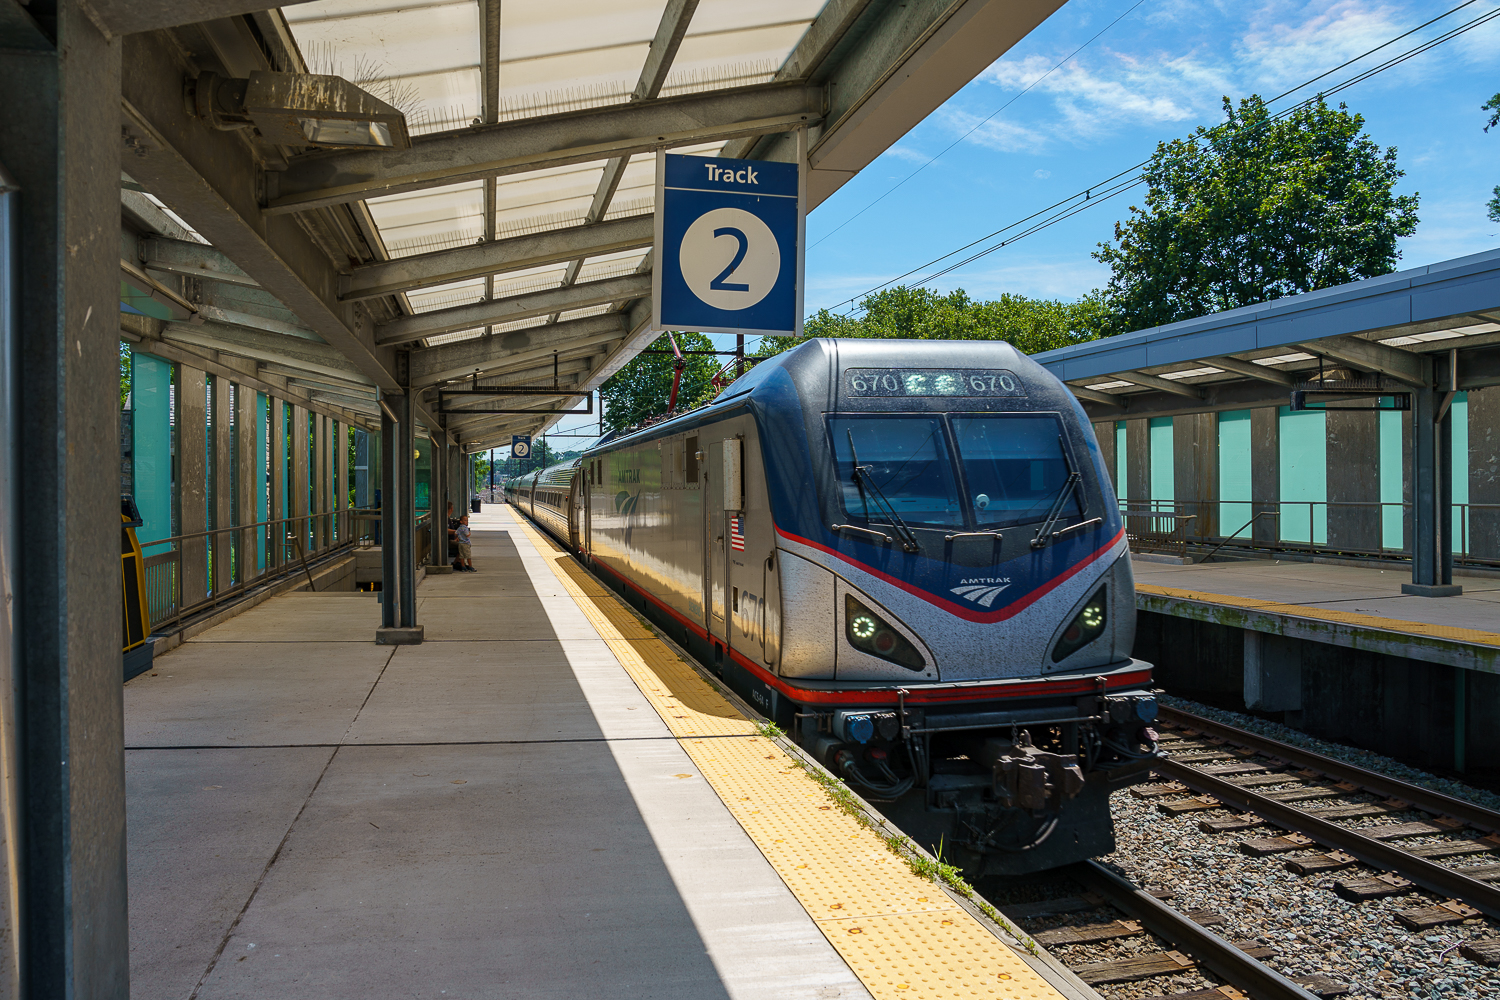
863, 478
1044, 533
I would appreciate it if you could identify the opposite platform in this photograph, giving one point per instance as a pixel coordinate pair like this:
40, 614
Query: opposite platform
1354, 606
499, 812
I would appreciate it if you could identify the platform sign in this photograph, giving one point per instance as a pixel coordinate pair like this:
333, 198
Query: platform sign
520, 446
729, 245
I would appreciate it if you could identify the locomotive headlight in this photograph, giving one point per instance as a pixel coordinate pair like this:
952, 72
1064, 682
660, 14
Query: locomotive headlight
1085, 627
870, 633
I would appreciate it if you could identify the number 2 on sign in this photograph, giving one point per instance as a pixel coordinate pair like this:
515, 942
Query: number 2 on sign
719, 284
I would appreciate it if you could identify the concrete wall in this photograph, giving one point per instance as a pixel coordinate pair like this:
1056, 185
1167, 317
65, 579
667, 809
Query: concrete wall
1354, 478
1195, 471
1484, 472
1265, 470
1391, 705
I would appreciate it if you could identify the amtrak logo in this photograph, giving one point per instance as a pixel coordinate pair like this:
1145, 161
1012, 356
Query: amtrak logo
982, 590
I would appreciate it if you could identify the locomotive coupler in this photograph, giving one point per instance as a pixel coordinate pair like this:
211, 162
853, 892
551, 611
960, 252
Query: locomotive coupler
1031, 779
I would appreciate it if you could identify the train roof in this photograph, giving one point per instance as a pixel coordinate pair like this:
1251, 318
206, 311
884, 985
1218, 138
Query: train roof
815, 366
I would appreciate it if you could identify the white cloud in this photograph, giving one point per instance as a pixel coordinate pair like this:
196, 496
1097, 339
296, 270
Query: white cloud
997, 133
1041, 174
902, 152
1167, 75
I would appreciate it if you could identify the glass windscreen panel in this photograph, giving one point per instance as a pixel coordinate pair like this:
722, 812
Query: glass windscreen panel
1014, 465
905, 462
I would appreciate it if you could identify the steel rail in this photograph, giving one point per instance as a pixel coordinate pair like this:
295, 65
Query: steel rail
1429, 875
1213, 952
1424, 799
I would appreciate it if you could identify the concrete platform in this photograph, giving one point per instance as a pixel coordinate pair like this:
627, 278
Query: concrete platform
498, 812
1358, 607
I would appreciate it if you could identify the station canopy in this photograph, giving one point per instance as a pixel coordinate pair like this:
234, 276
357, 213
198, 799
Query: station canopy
510, 244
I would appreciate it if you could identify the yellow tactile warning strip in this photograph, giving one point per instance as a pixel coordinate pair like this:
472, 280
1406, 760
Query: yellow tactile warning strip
900, 934
1328, 614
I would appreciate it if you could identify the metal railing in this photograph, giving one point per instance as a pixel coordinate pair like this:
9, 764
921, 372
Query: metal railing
1312, 527
256, 554
1154, 526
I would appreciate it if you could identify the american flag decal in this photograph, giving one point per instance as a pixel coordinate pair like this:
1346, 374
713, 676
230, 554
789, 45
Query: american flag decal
736, 533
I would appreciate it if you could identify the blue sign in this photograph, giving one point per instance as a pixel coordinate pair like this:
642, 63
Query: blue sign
728, 245
520, 446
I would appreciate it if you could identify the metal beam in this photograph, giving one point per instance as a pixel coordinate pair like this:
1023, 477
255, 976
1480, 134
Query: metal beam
1366, 355
669, 33
294, 352
332, 178
1095, 396
126, 17
432, 365
210, 178
406, 329
1161, 384
1250, 369
192, 260
516, 253
820, 40
292, 372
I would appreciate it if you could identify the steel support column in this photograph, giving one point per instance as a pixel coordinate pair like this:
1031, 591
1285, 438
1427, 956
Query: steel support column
390, 576
1432, 494
398, 550
406, 512
442, 495
276, 448
67, 889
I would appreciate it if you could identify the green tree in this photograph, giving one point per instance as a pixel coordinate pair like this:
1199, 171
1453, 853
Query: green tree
1031, 325
643, 387
1254, 209
1493, 105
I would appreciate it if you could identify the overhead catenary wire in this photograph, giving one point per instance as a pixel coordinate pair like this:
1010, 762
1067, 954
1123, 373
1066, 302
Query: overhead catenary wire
985, 121
1130, 176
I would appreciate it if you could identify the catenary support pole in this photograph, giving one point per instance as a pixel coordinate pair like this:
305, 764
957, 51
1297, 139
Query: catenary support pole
69, 888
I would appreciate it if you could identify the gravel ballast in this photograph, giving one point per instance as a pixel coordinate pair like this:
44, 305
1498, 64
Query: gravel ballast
1312, 929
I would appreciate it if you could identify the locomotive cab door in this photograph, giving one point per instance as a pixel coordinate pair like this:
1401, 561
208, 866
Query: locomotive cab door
574, 510
715, 543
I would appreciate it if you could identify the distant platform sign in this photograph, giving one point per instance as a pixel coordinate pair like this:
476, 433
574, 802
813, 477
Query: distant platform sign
520, 446
728, 245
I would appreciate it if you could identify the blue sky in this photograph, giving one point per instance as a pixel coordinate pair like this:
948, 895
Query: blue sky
1156, 75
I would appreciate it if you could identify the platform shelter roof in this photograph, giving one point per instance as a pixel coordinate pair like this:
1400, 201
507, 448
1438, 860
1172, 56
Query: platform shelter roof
1437, 325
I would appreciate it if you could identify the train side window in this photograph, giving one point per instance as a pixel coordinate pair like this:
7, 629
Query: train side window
690, 459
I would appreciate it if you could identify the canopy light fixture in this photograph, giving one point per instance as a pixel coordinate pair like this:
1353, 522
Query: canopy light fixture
298, 109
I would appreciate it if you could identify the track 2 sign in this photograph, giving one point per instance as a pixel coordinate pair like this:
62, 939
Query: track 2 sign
728, 255
520, 446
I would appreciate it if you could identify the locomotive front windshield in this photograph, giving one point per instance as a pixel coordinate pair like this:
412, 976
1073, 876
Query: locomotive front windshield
982, 469
903, 461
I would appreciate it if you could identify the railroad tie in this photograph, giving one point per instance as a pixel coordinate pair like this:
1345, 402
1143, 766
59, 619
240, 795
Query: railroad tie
1485, 951
1129, 970
1194, 804
1087, 933
1420, 918
1357, 890
1231, 824
1217, 993
1157, 790
1260, 847
1332, 861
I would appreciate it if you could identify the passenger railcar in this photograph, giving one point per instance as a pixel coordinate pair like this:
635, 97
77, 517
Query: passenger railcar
909, 555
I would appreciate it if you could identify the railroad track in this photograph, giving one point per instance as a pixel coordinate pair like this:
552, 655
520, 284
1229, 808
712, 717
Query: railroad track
1445, 846
1113, 910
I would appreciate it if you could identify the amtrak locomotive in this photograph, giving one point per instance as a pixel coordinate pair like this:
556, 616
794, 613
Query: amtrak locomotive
908, 554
